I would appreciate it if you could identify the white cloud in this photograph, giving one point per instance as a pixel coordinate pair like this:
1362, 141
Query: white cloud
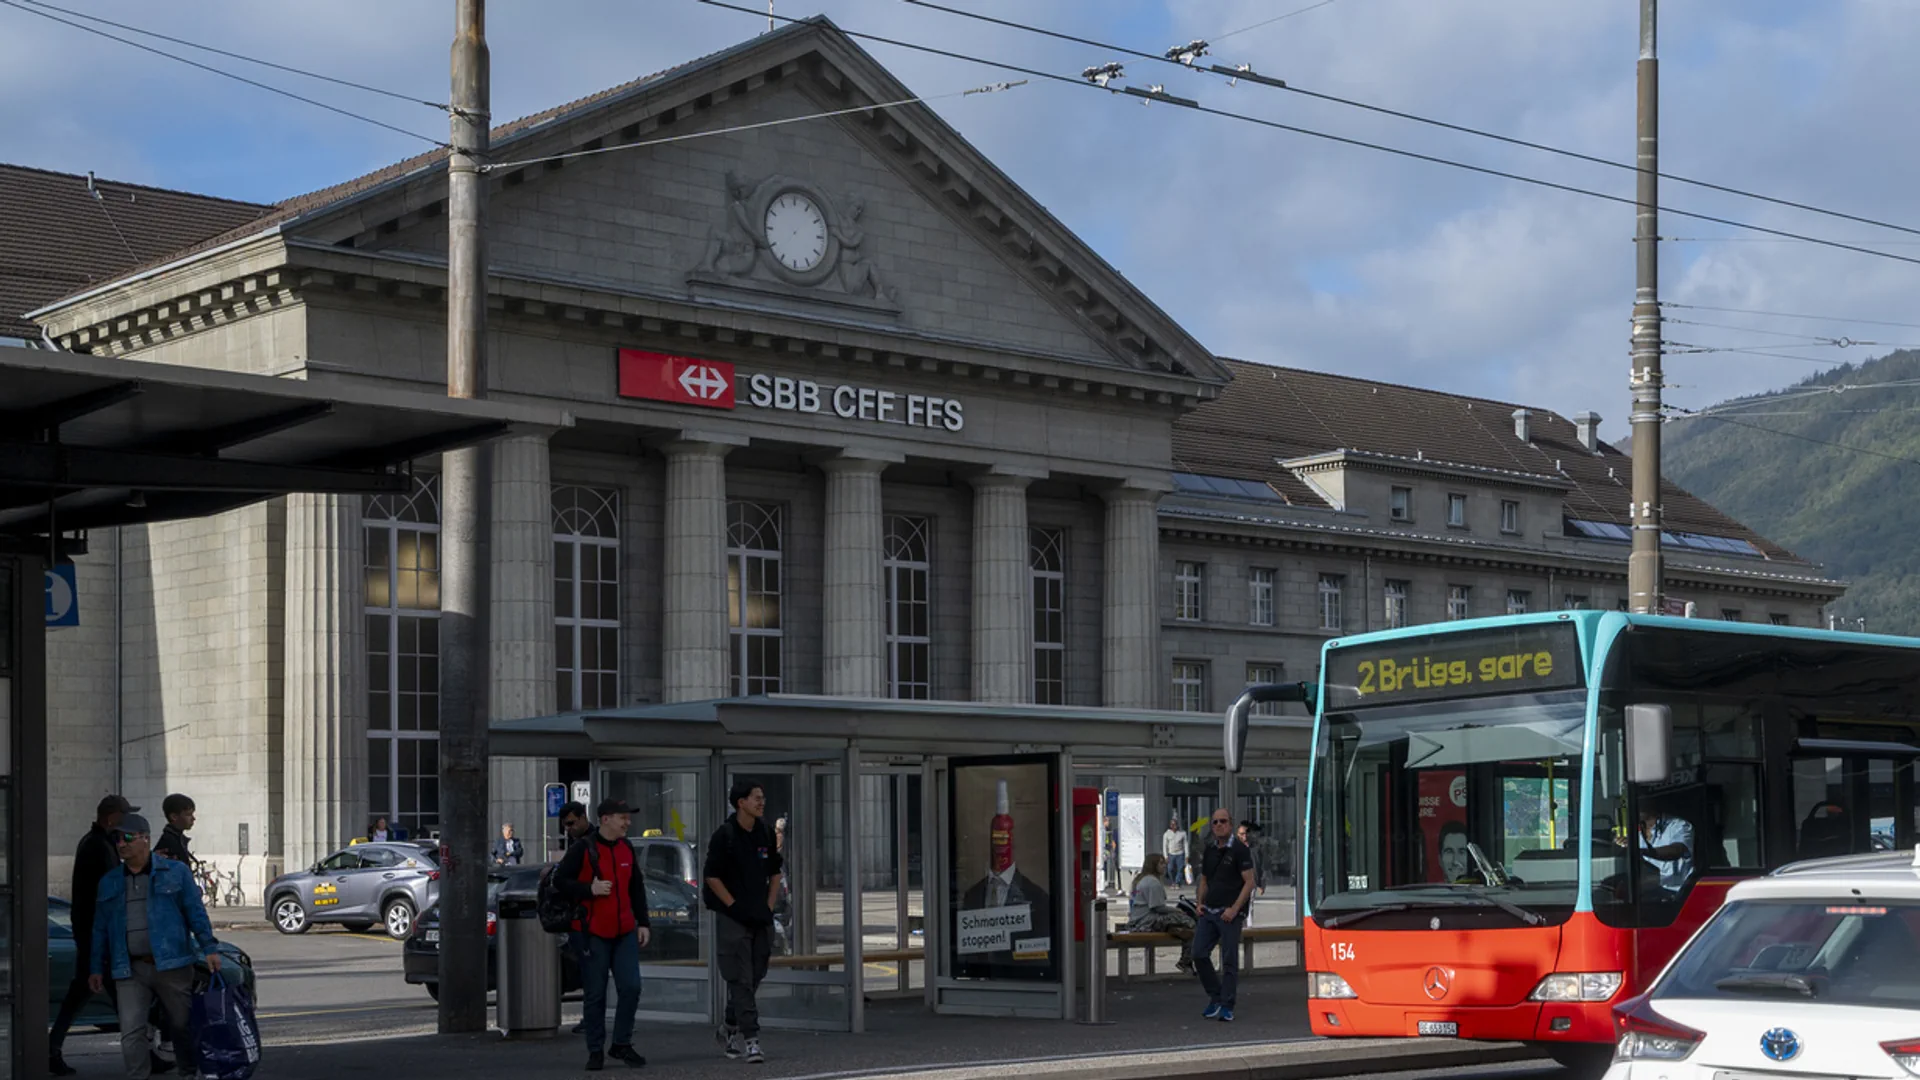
1266, 245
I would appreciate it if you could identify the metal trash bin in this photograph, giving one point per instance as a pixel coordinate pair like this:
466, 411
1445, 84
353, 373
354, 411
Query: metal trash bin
527, 998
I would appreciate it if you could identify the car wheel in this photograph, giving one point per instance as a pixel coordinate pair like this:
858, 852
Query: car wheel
289, 917
399, 919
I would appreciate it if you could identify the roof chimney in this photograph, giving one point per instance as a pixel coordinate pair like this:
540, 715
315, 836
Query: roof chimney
1588, 425
1523, 425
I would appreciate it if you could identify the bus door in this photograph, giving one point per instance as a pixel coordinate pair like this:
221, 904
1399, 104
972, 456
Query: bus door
1851, 797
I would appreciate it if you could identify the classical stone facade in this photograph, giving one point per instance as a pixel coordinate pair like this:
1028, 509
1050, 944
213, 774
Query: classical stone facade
852, 416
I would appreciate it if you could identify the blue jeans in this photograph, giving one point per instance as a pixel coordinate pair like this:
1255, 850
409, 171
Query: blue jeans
619, 957
1176, 870
1212, 930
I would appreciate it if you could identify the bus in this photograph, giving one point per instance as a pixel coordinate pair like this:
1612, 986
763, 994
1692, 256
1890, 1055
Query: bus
1512, 824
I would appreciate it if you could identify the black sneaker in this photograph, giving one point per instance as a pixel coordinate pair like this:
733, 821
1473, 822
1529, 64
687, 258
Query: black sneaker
580, 1028
596, 1061
57, 1066
627, 1054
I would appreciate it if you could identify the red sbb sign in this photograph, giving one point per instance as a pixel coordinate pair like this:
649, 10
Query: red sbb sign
678, 379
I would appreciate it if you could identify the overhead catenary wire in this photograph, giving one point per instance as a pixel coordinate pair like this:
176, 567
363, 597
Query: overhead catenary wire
1161, 96
410, 98
992, 88
1786, 315
1264, 23
1683, 348
270, 88
1805, 339
1182, 57
1817, 441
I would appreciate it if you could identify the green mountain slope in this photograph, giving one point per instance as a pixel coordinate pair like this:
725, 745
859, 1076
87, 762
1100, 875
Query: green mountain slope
1852, 509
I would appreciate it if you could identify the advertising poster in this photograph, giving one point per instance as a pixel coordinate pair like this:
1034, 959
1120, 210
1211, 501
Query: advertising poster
1443, 825
1002, 873
1133, 833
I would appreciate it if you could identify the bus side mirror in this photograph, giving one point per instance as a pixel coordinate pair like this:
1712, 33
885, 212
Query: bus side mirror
1234, 743
1649, 739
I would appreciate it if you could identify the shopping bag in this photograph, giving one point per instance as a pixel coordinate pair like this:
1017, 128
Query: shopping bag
226, 1040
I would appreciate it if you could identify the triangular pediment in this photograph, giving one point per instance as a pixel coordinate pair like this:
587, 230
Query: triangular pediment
877, 217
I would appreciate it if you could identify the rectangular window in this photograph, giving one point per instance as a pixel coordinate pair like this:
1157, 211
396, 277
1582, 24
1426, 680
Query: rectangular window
1778, 619
1189, 686
586, 598
1456, 511
1258, 674
1731, 614
1519, 601
1396, 593
1048, 552
1330, 587
755, 633
908, 570
1401, 504
1573, 602
1189, 591
1509, 516
402, 535
1457, 601
1260, 597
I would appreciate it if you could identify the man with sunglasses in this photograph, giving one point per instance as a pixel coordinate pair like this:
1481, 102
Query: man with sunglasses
1226, 886
150, 928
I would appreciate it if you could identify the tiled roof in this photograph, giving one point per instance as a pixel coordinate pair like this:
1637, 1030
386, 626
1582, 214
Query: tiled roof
1271, 414
57, 239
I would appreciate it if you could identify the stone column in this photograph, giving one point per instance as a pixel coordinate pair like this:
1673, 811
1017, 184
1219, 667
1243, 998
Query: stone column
853, 649
521, 613
695, 586
1002, 603
1132, 675
324, 688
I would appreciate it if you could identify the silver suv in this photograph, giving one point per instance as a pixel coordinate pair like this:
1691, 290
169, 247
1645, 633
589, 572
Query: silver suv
357, 886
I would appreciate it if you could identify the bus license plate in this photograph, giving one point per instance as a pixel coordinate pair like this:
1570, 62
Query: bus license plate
433, 937
1439, 1027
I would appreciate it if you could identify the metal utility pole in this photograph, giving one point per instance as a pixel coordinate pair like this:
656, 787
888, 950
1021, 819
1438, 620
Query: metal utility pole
1644, 566
465, 479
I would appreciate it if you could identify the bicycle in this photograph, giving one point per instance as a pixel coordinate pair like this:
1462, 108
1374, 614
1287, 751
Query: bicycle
219, 888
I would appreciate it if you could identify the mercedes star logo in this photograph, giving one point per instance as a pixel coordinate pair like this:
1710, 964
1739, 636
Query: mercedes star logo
1780, 1044
1439, 980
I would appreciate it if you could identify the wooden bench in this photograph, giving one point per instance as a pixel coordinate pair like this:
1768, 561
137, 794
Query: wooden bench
1125, 941
818, 961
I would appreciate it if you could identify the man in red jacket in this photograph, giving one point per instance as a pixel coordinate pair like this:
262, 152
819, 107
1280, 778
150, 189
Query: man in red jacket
601, 874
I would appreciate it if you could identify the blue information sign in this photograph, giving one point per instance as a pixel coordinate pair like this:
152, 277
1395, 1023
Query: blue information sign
63, 596
556, 798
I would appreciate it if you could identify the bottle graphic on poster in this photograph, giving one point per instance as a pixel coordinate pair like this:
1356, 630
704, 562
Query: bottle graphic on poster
1001, 831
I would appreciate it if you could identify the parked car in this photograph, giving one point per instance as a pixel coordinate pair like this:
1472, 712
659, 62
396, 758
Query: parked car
673, 910
62, 956
357, 886
1813, 970
665, 855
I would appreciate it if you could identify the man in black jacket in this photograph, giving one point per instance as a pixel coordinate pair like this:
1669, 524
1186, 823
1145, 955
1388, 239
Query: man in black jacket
173, 839
97, 854
742, 874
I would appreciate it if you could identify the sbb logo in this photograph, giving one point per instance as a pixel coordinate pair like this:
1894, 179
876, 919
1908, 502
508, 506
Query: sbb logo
678, 379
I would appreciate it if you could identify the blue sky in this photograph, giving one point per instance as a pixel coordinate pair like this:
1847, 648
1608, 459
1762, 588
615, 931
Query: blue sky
1268, 246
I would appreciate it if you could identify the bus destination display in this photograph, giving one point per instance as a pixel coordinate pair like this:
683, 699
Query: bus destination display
1436, 667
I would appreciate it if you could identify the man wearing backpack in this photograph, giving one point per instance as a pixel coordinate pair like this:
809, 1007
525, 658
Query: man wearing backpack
742, 875
601, 874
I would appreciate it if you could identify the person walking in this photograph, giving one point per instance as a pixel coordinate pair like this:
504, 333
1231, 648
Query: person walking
508, 851
379, 833
1173, 844
150, 928
1250, 835
96, 854
742, 872
1226, 883
1150, 911
601, 874
179, 810
574, 826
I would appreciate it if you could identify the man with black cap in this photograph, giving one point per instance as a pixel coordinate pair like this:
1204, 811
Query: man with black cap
601, 874
96, 855
150, 931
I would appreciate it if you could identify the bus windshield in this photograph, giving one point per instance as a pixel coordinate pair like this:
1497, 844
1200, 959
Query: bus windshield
1457, 812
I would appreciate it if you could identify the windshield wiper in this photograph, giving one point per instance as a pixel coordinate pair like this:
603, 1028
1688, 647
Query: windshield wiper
1531, 918
1768, 983
1493, 874
1364, 913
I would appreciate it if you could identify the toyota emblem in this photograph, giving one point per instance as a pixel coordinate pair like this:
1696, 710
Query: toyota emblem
1780, 1044
1438, 981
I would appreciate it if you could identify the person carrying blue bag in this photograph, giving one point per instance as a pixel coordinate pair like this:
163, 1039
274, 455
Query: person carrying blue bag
149, 929
226, 1039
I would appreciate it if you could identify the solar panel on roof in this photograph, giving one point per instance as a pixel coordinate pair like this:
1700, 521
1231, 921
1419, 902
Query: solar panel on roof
1231, 487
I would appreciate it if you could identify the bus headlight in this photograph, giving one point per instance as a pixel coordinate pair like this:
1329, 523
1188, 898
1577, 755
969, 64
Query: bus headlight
1322, 984
1577, 986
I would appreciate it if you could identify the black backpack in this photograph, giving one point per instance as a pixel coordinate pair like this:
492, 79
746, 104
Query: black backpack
558, 912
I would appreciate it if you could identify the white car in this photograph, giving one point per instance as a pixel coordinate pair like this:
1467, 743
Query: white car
1809, 973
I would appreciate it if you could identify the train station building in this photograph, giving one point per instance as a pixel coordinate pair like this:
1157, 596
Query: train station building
858, 435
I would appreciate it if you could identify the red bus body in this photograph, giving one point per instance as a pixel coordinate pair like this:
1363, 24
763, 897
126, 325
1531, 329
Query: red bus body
1489, 974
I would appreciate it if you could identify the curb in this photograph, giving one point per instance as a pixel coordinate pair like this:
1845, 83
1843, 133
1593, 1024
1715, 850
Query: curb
1306, 1060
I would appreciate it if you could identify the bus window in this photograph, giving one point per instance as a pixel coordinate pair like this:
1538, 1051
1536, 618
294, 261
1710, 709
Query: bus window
1823, 811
